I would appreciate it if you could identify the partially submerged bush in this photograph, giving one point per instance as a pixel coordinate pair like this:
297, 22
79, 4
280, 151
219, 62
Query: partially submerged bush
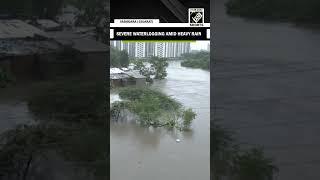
154, 108
70, 101
229, 161
188, 116
254, 165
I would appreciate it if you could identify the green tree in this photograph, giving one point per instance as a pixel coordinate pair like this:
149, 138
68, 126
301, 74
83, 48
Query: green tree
118, 58
228, 160
124, 59
197, 60
188, 116
160, 67
93, 13
253, 165
156, 70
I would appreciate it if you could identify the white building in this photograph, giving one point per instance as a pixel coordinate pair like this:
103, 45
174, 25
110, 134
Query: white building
148, 49
140, 50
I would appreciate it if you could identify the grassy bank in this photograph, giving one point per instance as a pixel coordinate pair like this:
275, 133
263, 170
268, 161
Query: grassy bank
200, 60
299, 11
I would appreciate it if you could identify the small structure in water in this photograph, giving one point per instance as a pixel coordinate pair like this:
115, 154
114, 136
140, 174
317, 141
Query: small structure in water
125, 77
28, 52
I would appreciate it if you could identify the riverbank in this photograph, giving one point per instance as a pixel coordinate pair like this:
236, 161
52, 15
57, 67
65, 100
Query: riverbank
299, 12
200, 60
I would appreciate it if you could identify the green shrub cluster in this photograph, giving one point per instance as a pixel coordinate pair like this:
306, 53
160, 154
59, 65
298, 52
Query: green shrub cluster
73, 101
153, 108
304, 11
199, 60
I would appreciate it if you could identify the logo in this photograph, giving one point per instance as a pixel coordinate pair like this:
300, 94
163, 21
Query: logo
196, 15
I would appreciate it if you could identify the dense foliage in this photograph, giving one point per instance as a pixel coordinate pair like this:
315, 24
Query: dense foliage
305, 11
156, 70
72, 101
199, 60
93, 13
153, 108
118, 58
229, 161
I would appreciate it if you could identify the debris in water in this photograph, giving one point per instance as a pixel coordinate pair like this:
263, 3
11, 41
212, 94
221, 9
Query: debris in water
177, 140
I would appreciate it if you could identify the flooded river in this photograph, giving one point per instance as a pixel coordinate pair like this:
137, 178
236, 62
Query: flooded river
266, 87
139, 153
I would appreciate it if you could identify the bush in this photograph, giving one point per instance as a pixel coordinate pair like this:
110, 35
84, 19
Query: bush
70, 101
305, 11
188, 117
199, 60
230, 162
153, 108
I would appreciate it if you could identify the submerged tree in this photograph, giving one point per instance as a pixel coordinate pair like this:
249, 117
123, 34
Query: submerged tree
228, 160
157, 68
153, 108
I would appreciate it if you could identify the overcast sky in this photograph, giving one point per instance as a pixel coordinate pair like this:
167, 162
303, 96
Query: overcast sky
200, 45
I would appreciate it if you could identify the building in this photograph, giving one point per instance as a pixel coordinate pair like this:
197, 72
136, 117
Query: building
148, 49
140, 50
125, 77
30, 53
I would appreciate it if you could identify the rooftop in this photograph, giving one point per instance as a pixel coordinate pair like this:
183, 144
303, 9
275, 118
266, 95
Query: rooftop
117, 73
14, 47
136, 74
48, 25
78, 42
17, 29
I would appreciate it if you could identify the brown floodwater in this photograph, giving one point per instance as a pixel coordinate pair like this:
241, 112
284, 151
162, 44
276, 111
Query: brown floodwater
139, 153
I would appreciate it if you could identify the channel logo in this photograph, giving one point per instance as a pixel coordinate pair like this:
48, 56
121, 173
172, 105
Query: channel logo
196, 15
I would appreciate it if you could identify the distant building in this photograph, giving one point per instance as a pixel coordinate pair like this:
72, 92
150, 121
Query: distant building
140, 50
148, 49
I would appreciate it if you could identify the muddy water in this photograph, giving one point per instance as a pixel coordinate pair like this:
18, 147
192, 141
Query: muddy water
267, 89
145, 153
